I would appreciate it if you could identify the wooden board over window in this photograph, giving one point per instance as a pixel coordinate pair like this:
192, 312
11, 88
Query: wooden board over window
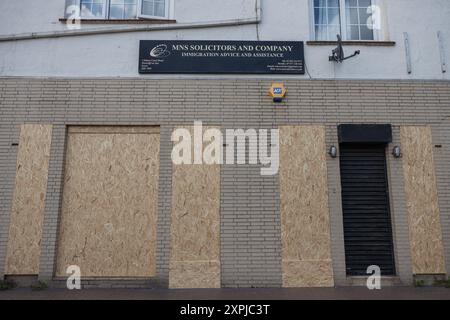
110, 202
424, 218
25, 233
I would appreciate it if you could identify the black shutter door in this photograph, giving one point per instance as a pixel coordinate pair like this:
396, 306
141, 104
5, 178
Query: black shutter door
365, 202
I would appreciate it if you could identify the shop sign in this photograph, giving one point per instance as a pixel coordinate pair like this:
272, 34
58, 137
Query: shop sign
221, 57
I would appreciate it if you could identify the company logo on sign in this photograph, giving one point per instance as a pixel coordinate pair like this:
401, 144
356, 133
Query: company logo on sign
160, 51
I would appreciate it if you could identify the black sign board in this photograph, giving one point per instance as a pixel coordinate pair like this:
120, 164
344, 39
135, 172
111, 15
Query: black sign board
254, 57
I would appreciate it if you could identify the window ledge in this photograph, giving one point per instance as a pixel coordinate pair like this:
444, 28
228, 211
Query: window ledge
353, 43
122, 21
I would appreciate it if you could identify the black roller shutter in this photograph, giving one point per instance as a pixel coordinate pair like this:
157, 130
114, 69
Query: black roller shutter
365, 201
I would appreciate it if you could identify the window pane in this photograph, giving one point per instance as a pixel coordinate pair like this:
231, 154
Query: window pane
89, 2
122, 9
320, 3
160, 9
86, 4
130, 12
327, 19
116, 12
366, 33
352, 16
333, 16
86, 10
97, 10
333, 31
321, 32
364, 3
147, 8
353, 32
369, 22
320, 16
351, 3
92, 9
154, 8
363, 16
333, 3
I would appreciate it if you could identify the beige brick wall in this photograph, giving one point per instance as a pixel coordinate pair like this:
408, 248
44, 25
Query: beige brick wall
250, 222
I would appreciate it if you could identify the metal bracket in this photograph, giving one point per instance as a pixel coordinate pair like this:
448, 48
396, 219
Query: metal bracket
337, 54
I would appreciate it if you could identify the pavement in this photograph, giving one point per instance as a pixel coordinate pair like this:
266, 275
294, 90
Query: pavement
340, 293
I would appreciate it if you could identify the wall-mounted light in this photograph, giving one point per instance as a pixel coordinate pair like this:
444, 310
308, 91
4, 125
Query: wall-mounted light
333, 152
397, 152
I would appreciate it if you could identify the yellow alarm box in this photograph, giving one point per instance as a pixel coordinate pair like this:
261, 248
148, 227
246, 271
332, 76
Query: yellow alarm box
277, 92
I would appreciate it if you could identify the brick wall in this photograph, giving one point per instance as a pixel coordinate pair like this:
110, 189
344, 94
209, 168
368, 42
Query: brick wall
250, 240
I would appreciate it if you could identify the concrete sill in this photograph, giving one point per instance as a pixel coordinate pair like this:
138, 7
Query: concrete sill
353, 43
122, 21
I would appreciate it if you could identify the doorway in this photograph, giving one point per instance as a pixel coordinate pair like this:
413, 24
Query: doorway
366, 210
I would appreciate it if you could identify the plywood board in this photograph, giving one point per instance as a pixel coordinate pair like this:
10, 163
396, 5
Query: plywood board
195, 229
307, 273
28, 203
427, 252
305, 222
195, 274
110, 202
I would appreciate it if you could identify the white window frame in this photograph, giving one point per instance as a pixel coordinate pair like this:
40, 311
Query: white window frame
343, 20
107, 3
168, 13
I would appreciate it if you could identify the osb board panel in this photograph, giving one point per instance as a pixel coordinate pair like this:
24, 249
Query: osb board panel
110, 201
298, 273
195, 227
305, 223
427, 252
195, 274
29, 200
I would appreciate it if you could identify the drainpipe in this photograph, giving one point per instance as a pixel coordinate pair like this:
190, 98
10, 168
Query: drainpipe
258, 10
125, 29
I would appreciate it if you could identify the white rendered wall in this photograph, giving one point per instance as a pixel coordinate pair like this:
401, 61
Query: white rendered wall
116, 55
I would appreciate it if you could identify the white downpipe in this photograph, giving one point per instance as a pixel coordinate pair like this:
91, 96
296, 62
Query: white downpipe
145, 28
258, 10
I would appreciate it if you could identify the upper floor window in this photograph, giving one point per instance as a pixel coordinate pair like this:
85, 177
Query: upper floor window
124, 9
155, 8
352, 19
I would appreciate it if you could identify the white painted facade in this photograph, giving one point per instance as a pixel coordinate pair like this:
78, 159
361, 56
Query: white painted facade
116, 54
